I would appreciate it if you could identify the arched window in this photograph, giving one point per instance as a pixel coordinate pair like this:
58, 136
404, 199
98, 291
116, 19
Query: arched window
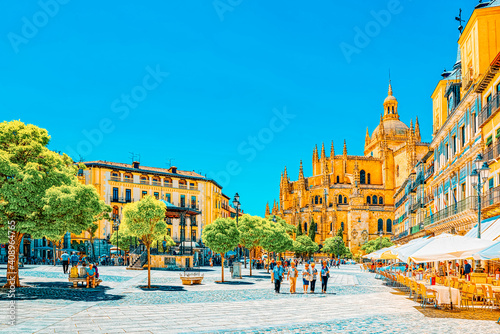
342, 226
316, 200
380, 225
331, 227
388, 227
374, 199
345, 200
368, 200
362, 177
380, 200
338, 179
320, 200
305, 227
340, 199
369, 179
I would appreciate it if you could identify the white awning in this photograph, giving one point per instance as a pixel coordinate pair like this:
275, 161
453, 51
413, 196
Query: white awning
490, 229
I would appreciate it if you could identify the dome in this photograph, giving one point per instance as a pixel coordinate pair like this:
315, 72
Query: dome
390, 98
391, 125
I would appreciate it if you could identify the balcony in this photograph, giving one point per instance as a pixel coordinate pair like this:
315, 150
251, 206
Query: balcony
492, 152
400, 235
415, 229
115, 199
415, 206
429, 172
489, 110
470, 203
491, 202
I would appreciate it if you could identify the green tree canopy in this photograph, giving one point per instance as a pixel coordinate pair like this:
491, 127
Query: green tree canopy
251, 233
145, 220
221, 236
334, 245
376, 244
276, 238
312, 230
28, 169
289, 228
299, 228
304, 245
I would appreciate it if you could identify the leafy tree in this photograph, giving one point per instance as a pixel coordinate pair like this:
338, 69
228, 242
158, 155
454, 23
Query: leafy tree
304, 245
28, 170
376, 244
340, 233
145, 220
221, 236
299, 228
251, 233
289, 228
335, 246
276, 239
312, 230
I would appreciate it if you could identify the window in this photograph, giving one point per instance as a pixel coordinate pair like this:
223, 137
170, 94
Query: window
368, 200
340, 199
446, 152
305, 227
380, 225
316, 200
192, 185
128, 195
169, 231
193, 202
462, 136
462, 187
362, 177
156, 195
144, 180
128, 178
345, 200
453, 145
338, 179
474, 123
388, 226
144, 193
369, 179
331, 227
489, 141
342, 226
183, 201
380, 200
167, 198
193, 235
320, 200
374, 199
115, 194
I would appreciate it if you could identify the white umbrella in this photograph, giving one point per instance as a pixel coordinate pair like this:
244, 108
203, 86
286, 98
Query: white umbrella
449, 247
411, 247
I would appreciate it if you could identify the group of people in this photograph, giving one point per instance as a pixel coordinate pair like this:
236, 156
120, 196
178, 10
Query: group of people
309, 276
90, 272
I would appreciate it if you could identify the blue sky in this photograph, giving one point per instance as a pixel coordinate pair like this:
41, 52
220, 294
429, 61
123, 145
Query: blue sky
234, 89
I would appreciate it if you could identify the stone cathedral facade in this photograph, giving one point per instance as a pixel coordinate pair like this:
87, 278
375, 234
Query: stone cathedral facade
354, 193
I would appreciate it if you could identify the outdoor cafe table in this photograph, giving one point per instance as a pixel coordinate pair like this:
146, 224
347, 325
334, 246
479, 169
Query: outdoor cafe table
443, 294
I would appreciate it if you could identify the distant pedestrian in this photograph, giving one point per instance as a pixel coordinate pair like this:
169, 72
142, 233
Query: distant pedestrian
278, 273
306, 276
74, 259
314, 276
65, 261
325, 274
292, 275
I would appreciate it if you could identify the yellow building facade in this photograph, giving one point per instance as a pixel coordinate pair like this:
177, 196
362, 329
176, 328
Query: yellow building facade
354, 193
121, 183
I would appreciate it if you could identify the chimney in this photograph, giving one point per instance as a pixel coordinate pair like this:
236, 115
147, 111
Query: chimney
173, 170
135, 164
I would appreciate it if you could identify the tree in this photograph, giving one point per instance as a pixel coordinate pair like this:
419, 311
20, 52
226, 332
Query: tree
376, 244
340, 233
289, 228
145, 220
251, 233
28, 169
335, 246
221, 236
299, 228
276, 239
312, 230
304, 245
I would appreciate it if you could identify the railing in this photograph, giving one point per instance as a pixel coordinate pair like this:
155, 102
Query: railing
489, 109
154, 183
398, 203
183, 186
187, 205
427, 200
429, 172
114, 199
144, 182
493, 151
415, 229
416, 205
116, 179
400, 235
470, 203
492, 196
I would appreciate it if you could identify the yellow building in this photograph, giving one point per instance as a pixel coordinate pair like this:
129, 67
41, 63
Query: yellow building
466, 123
354, 193
121, 183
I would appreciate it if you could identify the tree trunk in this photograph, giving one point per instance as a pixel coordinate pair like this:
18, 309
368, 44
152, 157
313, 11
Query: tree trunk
268, 255
54, 252
250, 260
246, 259
222, 265
13, 263
149, 267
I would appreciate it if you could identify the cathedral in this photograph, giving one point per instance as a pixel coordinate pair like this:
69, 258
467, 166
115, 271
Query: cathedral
354, 193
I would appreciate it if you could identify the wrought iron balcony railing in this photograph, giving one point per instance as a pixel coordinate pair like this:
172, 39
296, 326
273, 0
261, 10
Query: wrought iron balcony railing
489, 109
470, 203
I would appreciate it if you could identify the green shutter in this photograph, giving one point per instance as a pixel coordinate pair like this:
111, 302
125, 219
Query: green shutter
489, 140
498, 133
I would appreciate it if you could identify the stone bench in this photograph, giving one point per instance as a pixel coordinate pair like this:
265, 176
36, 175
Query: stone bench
76, 280
190, 280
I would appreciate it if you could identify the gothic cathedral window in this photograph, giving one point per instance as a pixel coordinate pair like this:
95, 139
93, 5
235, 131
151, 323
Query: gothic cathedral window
389, 226
380, 225
362, 177
368, 200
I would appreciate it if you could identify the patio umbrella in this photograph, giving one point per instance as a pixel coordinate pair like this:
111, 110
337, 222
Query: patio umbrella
404, 251
451, 247
69, 250
489, 253
43, 248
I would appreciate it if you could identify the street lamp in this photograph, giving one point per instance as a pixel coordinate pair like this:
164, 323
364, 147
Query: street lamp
236, 204
116, 227
482, 173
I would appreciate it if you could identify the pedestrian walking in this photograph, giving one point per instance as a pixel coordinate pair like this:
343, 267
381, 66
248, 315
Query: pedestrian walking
306, 274
65, 261
325, 274
314, 276
74, 259
278, 273
292, 275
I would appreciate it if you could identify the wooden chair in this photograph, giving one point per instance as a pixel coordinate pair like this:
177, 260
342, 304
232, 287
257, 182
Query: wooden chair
479, 294
467, 294
489, 297
427, 295
417, 291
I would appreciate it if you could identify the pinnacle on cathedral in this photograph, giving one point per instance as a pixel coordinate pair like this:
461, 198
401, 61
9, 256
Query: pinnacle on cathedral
301, 171
267, 210
345, 148
315, 153
417, 130
332, 151
323, 154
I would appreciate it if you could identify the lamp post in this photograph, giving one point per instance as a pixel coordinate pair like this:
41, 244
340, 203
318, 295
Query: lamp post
236, 204
116, 227
481, 172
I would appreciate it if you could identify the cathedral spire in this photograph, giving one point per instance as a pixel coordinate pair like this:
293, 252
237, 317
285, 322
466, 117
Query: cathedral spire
285, 175
332, 151
345, 148
267, 210
323, 154
301, 171
315, 153
367, 137
390, 105
417, 130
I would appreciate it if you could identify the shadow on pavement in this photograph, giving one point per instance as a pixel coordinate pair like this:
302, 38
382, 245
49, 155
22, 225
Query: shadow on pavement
162, 288
234, 282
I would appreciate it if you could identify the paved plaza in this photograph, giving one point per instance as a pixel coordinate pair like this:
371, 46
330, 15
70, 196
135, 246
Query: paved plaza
356, 302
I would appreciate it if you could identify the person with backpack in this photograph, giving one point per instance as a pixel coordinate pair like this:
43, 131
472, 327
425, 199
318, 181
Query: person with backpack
292, 275
325, 274
314, 276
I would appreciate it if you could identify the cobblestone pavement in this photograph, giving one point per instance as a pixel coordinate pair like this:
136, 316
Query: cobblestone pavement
355, 303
